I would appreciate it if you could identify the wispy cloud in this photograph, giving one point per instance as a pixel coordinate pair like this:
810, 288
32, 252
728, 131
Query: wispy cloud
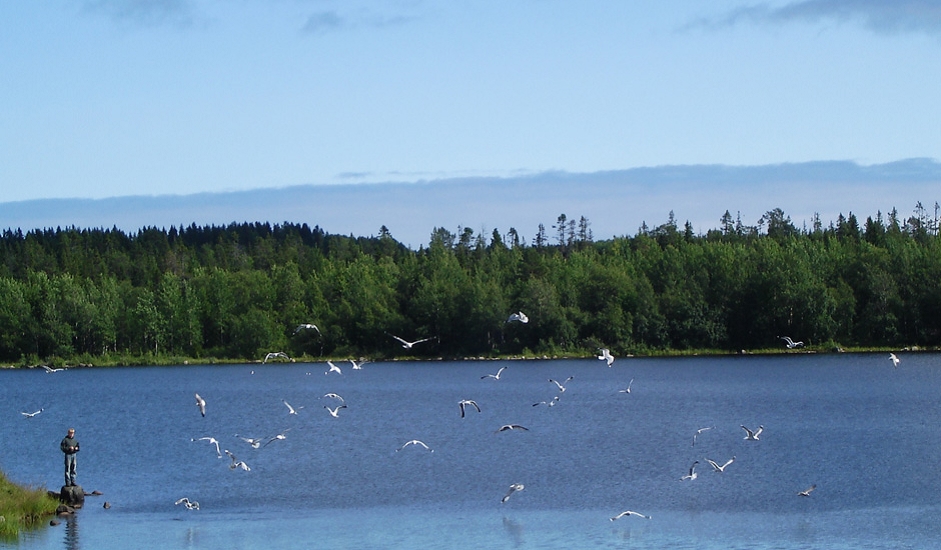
149, 13
324, 21
881, 16
331, 20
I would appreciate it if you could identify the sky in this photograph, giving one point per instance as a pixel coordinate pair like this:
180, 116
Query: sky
108, 98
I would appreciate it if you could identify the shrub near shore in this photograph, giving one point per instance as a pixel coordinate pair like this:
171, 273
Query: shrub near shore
22, 507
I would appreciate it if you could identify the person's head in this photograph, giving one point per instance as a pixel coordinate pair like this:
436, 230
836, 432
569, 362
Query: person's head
71, 432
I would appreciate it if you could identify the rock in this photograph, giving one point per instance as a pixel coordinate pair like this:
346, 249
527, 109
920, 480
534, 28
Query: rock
106, 505
64, 510
53, 522
72, 495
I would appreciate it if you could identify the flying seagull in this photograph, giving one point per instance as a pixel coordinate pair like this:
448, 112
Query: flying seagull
606, 356
306, 326
806, 492
791, 344
518, 316
513, 488
408, 345
508, 427
50, 369
629, 513
628, 388
716, 467
276, 355
255, 442
753, 435
559, 384
334, 396
701, 430
895, 360
32, 414
201, 403
236, 463
465, 402
550, 403
333, 368
414, 442
334, 412
693, 474
189, 504
212, 441
358, 366
494, 376
291, 410
278, 437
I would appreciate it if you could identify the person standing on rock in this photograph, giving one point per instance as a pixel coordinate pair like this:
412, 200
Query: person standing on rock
69, 446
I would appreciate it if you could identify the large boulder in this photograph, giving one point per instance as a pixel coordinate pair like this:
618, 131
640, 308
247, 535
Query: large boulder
72, 495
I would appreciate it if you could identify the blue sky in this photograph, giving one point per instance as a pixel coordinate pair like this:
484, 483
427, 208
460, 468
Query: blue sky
104, 98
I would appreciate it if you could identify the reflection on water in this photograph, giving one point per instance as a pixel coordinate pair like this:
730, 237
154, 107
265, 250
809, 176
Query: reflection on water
71, 532
514, 530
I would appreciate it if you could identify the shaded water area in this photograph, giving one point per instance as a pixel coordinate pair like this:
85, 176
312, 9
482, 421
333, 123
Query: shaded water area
865, 433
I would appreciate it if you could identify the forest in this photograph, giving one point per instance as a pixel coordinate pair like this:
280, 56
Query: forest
238, 292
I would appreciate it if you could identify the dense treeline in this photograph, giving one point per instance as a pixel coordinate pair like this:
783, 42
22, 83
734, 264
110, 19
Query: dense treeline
239, 291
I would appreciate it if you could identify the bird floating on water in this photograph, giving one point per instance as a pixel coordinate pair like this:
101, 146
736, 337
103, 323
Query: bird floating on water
715, 465
559, 384
806, 492
415, 442
189, 504
201, 403
333, 368
494, 376
518, 316
628, 388
753, 435
509, 427
236, 463
335, 411
791, 344
467, 402
408, 345
700, 431
629, 513
513, 488
277, 355
32, 414
895, 360
212, 441
606, 356
693, 474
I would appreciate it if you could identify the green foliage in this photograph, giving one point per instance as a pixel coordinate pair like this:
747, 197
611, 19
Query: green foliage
238, 292
22, 507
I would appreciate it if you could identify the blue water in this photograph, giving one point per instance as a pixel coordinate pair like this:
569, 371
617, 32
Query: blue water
865, 433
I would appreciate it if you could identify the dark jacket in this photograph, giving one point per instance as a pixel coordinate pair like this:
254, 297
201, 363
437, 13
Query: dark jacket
69, 445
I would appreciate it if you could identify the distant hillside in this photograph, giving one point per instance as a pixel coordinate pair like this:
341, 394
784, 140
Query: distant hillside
615, 202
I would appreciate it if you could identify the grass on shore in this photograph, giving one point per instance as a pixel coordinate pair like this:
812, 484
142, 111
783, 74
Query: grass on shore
22, 507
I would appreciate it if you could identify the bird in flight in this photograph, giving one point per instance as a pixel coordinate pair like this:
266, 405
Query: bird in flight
32, 414
415, 442
334, 396
408, 345
629, 513
50, 369
358, 366
189, 504
335, 411
494, 376
467, 402
276, 355
791, 344
693, 474
606, 356
306, 326
559, 384
255, 442
291, 410
753, 435
895, 360
509, 427
513, 488
806, 492
550, 403
212, 441
236, 463
700, 431
333, 368
201, 403
628, 388
518, 316
279, 437
717, 467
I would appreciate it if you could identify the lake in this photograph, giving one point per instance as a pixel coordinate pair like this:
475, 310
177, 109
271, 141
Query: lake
864, 433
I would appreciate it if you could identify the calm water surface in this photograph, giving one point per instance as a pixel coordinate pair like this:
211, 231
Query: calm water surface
865, 433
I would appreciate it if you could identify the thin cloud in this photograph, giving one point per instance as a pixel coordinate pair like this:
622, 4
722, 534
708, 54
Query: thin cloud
148, 13
322, 22
330, 21
881, 16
